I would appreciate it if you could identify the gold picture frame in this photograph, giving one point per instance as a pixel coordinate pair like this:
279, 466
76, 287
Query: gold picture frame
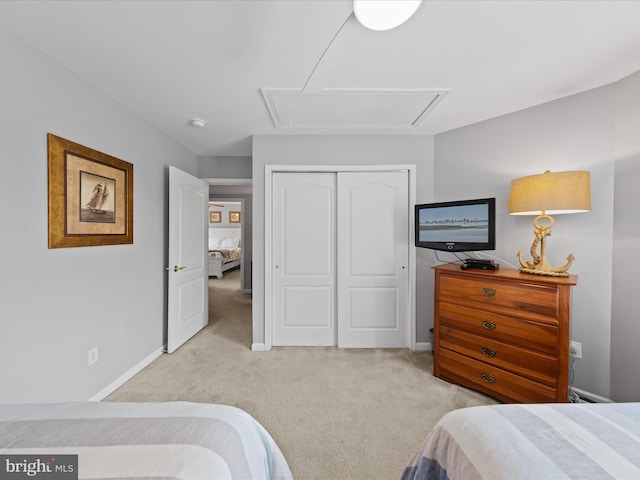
234, 217
215, 217
90, 196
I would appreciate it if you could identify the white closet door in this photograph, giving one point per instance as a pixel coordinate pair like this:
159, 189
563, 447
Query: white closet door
373, 259
304, 259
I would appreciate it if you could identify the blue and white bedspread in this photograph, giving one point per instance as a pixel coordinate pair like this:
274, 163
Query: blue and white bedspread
174, 440
542, 442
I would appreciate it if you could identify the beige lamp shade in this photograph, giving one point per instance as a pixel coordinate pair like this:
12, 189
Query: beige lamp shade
551, 193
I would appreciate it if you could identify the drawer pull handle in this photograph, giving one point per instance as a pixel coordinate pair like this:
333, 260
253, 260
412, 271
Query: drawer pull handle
488, 325
488, 292
488, 378
488, 352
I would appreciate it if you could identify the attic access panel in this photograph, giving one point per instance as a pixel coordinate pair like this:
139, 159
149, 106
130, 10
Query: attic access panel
350, 108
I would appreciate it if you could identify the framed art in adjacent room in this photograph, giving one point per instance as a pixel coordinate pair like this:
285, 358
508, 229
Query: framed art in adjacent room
215, 217
234, 217
90, 196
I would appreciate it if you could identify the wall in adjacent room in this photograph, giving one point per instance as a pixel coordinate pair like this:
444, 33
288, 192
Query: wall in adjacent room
56, 304
223, 208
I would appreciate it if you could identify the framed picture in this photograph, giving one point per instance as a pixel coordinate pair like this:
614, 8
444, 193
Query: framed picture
234, 217
215, 217
90, 196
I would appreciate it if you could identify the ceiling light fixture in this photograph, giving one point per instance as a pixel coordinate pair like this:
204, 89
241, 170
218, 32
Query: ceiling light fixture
198, 122
384, 14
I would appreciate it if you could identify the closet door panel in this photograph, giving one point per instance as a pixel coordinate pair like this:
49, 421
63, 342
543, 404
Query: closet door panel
373, 307
307, 226
304, 259
373, 256
370, 211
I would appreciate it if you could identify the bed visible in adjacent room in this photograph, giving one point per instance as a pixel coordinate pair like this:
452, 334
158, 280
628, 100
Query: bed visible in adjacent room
542, 441
224, 250
143, 440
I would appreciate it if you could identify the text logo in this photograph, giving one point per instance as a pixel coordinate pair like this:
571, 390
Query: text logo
50, 467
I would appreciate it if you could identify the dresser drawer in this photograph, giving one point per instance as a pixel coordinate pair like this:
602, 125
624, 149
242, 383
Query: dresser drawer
533, 365
492, 380
530, 335
532, 298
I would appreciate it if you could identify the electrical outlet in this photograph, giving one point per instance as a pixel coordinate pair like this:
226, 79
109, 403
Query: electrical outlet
575, 349
92, 356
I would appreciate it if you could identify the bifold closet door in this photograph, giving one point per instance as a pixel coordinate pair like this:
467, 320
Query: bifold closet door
373, 259
304, 258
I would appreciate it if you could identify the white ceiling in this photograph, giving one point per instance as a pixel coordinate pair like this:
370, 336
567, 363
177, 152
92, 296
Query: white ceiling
171, 61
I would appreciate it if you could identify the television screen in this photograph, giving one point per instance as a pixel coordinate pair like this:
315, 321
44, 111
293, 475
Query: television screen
457, 226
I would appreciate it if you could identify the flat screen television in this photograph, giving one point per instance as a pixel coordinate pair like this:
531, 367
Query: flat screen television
457, 226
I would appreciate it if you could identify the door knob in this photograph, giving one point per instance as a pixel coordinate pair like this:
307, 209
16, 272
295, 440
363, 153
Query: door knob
176, 268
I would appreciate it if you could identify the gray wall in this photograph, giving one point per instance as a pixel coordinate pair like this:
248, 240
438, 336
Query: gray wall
224, 167
625, 327
574, 133
57, 304
334, 150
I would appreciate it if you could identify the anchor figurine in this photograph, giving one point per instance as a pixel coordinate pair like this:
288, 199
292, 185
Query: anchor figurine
539, 264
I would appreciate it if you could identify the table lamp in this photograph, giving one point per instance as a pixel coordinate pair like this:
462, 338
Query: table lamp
542, 195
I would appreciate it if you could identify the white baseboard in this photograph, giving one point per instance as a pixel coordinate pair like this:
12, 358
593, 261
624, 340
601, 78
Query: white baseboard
258, 347
423, 346
592, 397
117, 383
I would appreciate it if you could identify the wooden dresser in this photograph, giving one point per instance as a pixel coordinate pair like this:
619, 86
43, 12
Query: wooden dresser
503, 332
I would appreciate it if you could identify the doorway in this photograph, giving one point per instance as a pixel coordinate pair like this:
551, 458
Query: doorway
238, 190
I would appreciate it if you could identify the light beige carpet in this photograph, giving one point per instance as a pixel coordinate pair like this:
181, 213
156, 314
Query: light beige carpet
335, 413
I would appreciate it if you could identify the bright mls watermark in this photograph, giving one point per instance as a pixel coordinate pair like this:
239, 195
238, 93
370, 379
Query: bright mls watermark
50, 467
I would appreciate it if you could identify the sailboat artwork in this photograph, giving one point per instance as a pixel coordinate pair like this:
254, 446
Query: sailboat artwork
90, 196
96, 196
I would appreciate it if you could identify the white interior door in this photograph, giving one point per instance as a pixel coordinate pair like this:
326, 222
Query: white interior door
188, 267
373, 259
303, 259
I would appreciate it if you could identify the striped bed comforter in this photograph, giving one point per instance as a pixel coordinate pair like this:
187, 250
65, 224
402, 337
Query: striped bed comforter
175, 440
545, 441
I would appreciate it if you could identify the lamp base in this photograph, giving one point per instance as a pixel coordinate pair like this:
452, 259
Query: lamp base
539, 264
544, 272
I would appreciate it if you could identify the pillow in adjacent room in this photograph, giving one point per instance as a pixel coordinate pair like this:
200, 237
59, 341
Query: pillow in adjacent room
215, 243
230, 243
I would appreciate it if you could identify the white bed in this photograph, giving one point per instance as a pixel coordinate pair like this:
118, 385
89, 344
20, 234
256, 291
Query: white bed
173, 440
539, 442
224, 250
